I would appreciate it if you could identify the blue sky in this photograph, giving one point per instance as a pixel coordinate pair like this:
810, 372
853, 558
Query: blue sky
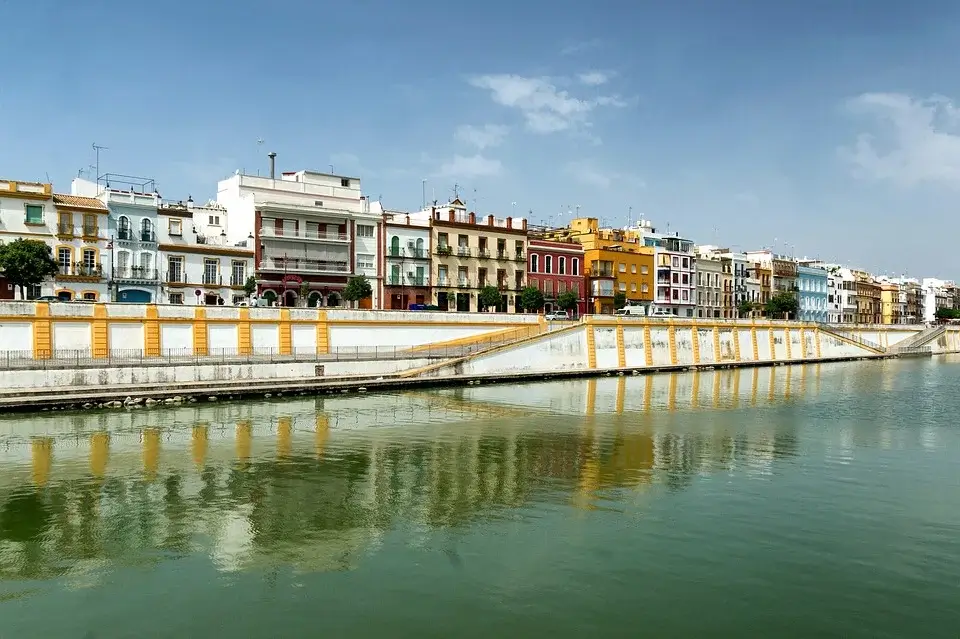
825, 126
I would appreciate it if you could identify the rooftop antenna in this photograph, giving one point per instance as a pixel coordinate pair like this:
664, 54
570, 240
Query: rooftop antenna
629, 215
331, 169
456, 191
97, 148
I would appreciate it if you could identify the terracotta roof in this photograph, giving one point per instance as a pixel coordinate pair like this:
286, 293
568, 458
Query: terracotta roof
61, 199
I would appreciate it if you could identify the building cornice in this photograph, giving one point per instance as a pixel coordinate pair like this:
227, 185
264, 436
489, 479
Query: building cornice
206, 250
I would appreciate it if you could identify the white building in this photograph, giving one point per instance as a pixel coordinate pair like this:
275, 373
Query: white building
406, 272
709, 285
198, 265
312, 233
841, 294
936, 295
675, 263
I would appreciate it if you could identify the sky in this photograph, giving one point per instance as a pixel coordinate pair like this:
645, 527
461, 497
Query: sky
819, 128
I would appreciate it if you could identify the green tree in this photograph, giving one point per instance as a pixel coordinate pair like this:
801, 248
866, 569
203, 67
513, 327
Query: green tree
489, 296
784, 305
358, 288
27, 262
619, 300
947, 314
531, 299
567, 301
744, 308
250, 286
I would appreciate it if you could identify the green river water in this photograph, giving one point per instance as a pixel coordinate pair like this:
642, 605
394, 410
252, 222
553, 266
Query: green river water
815, 501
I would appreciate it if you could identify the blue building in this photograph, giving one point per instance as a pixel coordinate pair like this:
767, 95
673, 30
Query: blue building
812, 282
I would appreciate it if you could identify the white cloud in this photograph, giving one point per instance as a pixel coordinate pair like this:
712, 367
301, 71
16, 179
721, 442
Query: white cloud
545, 108
594, 78
588, 173
580, 47
912, 142
489, 135
470, 167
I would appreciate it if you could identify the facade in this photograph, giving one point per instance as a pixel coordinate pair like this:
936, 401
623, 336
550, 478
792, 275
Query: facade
555, 267
614, 270
868, 298
471, 253
27, 211
709, 284
311, 232
813, 294
936, 295
407, 254
676, 269
893, 303
754, 291
198, 266
762, 278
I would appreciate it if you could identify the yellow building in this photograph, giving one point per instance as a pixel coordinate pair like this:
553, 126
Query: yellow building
891, 308
615, 261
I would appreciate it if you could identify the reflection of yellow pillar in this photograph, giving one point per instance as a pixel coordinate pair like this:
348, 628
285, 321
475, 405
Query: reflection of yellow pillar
803, 380
672, 392
786, 384
621, 393
244, 439
284, 436
198, 445
737, 372
716, 390
755, 386
591, 396
816, 377
99, 453
771, 393
322, 434
41, 458
647, 393
647, 346
151, 452
695, 392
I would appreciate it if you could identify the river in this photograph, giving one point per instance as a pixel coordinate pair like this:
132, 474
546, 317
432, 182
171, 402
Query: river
809, 501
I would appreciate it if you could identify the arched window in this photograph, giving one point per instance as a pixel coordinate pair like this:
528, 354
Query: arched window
562, 266
395, 246
548, 264
123, 228
146, 230
420, 247
534, 263
576, 266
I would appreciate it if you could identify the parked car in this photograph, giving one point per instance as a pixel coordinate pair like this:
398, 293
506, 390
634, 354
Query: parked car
556, 316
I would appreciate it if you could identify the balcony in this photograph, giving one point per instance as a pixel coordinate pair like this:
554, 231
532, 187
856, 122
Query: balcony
483, 254
443, 280
65, 230
519, 257
238, 280
463, 251
148, 237
79, 272
124, 234
316, 236
463, 282
212, 279
443, 249
175, 278
90, 232
518, 286
136, 273
601, 272
503, 255
303, 266
503, 286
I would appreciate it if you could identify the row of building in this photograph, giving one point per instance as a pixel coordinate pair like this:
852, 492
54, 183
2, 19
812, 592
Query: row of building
298, 238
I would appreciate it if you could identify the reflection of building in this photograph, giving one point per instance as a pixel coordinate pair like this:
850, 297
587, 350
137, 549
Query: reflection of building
312, 232
471, 253
406, 251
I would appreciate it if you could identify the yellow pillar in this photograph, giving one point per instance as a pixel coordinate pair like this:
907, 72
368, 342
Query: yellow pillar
817, 341
244, 439
803, 343
200, 332
99, 453
41, 458
672, 337
717, 352
151, 332
42, 333
284, 436
736, 343
286, 332
621, 346
591, 346
647, 346
786, 341
695, 332
151, 452
756, 346
323, 334
199, 440
244, 339
100, 335
773, 345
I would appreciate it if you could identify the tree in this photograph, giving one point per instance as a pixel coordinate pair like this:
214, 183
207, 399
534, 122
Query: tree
619, 300
783, 304
567, 301
531, 299
27, 263
489, 296
250, 286
744, 308
947, 313
358, 288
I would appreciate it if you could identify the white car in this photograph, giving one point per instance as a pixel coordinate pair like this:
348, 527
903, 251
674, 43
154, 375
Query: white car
556, 316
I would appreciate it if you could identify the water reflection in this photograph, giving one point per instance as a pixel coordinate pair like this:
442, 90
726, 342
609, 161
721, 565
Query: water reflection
316, 483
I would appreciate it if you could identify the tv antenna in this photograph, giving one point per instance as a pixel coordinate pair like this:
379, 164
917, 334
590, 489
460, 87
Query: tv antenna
97, 148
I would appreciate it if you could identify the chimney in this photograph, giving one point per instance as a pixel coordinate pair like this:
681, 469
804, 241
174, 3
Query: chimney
408, 220
473, 217
523, 224
273, 164
452, 216
489, 220
189, 202
509, 222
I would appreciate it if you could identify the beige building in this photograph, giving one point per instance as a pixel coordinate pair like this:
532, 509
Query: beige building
470, 252
709, 285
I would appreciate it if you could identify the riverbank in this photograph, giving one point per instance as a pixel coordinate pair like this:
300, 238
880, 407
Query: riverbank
138, 396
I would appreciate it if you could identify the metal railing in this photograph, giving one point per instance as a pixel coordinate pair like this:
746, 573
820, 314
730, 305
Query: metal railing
135, 273
914, 351
853, 337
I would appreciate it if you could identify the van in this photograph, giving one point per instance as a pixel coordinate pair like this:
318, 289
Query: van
632, 310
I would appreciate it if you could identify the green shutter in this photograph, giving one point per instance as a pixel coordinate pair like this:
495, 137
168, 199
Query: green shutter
34, 214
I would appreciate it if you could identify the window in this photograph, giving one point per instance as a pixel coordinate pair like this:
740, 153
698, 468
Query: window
633, 268
686, 262
623, 286
176, 298
562, 266
576, 266
90, 296
33, 291
534, 263
622, 267
238, 273
395, 246
175, 270
548, 264
685, 279
213, 220
676, 262
345, 182
685, 295
146, 230
34, 214
210, 268
633, 287
64, 259
364, 261
676, 278
364, 230
89, 260
675, 293
90, 225
644, 270
238, 299
123, 228
65, 223
176, 227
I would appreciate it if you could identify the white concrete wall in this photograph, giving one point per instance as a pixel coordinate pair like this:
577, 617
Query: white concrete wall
605, 342
635, 349
563, 351
705, 343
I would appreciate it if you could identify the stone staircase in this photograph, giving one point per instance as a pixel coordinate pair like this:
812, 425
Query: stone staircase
919, 341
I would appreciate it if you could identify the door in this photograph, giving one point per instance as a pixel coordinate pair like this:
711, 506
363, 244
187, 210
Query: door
135, 296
